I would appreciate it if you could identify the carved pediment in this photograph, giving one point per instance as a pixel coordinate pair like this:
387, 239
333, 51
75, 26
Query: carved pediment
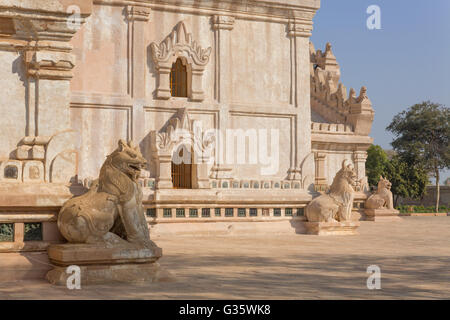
177, 125
180, 43
181, 129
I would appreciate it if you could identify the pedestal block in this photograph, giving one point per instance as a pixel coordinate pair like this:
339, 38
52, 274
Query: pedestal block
101, 265
332, 228
382, 215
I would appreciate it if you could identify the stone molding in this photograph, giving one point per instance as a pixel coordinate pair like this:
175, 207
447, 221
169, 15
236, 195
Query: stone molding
300, 29
49, 65
180, 43
55, 23
137, 13
331, 128
222, 22
275, 11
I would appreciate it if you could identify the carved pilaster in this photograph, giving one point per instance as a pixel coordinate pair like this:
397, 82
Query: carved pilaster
299, 30
222, 26
137, 17
321, 179
359, 158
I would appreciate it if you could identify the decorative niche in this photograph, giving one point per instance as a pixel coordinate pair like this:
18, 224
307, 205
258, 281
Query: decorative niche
179, 47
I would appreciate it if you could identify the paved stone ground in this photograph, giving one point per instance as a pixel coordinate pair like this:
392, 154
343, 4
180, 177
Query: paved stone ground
414, 257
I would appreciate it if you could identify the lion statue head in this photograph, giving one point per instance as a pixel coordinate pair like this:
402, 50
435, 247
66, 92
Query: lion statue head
128, 159
384, 184
121, 170
345, 178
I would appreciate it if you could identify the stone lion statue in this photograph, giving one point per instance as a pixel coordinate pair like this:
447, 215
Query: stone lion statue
382, 198
335, 205
111, 212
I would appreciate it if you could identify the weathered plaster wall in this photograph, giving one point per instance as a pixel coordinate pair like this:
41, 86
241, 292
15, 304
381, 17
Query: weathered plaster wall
12, 106
101, 51
255, 140
100, 128
260, 59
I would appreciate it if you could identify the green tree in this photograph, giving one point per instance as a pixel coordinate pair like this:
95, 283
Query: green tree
376, 163
422, 138
407, 181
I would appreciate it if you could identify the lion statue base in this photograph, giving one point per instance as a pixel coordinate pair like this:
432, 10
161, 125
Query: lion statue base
106, 229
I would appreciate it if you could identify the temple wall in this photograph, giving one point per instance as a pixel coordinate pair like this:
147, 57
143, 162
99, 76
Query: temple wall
101, 53
100, 128
260, 57
255, 164
115, 83
13, 111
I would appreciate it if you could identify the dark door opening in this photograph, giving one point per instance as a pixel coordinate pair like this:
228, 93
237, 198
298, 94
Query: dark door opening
182, 169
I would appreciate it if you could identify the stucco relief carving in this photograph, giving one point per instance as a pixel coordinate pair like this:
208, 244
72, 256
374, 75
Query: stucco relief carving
137, 13
181, 130
180, 44
177, 129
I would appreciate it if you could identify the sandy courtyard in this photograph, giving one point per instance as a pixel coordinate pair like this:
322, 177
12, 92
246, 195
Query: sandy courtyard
413, 255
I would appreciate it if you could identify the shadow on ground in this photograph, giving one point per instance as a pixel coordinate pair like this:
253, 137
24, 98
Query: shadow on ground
296, 277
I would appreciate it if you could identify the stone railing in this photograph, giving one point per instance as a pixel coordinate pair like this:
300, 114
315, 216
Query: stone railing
198, 213
255, 184
329, 97
28, 231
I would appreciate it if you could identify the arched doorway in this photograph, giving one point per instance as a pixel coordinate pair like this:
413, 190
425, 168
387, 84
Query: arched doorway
182, 167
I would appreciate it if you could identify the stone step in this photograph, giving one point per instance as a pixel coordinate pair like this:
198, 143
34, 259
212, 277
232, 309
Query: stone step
23, 266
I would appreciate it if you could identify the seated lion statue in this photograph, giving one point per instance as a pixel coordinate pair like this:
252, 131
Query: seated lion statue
111, 212
382, 198
335, 205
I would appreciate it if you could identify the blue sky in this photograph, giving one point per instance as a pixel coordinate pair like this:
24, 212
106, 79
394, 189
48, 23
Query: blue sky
406, 62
